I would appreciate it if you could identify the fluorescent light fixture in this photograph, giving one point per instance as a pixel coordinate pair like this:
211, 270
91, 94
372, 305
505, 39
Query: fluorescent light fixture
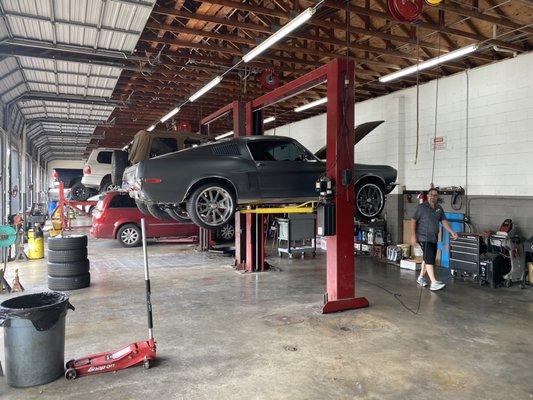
269, 119
170, 114
151, 128
452, 55
301, 19
311, 105
224, 135
206, 88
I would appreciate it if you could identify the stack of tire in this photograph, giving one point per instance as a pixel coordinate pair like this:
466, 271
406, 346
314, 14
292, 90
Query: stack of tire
68, 266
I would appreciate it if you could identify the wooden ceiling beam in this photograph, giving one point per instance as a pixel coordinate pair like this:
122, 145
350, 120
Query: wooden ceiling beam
479, 15
340, 5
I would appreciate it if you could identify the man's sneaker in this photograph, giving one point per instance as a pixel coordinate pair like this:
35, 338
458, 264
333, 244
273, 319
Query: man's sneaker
437, 285
422, 281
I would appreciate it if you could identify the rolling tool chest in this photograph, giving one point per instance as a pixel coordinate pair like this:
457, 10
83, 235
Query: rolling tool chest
465, 253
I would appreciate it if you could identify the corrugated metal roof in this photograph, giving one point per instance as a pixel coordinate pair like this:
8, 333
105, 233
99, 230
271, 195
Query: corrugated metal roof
92, 24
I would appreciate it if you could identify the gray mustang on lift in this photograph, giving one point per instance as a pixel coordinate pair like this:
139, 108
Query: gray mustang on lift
207, 183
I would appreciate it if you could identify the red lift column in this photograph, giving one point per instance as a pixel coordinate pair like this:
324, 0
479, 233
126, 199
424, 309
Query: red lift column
340, 293
254, 226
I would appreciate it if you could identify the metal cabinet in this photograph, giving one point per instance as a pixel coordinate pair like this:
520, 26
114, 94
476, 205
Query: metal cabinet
297, 234
465, 252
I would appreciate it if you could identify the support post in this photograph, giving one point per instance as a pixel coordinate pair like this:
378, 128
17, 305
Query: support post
340, 293
255, 249
23, 176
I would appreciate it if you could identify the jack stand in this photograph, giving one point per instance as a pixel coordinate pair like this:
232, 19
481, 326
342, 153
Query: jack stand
20, 254
4, 286
16, 285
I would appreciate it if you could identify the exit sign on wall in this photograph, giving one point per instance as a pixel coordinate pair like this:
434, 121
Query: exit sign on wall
438, 143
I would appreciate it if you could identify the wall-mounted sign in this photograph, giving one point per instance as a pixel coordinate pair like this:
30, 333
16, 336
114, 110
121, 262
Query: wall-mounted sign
438, 143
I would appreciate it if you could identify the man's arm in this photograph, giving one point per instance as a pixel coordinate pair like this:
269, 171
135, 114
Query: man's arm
447, 226
413, 230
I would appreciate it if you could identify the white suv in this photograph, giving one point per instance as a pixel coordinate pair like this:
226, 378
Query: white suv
97, 170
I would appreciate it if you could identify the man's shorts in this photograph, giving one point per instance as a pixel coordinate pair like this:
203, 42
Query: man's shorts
430, 252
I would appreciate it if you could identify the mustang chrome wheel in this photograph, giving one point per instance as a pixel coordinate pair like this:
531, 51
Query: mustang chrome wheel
129, 236
369, 200
214, 206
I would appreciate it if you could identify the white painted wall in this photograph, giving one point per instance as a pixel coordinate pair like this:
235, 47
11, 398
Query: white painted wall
500, 130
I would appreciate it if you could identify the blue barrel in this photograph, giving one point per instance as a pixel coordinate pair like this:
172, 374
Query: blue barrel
34, 337
51, 207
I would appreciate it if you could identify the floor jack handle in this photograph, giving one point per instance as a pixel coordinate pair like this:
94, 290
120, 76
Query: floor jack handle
147, 282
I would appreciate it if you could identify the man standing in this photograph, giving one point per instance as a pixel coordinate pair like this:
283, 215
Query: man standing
425, 228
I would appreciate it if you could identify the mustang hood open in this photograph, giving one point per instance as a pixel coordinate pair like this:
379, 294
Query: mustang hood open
360, 132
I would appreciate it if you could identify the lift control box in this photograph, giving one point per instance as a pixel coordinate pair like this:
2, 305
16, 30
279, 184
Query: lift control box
325, 219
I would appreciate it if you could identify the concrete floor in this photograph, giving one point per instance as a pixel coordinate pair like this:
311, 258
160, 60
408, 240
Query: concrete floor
225, 335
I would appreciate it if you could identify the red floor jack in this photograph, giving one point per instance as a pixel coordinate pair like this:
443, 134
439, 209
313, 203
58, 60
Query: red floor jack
137, 353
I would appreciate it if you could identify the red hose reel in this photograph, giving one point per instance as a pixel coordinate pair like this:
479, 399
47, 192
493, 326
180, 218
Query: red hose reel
405, 10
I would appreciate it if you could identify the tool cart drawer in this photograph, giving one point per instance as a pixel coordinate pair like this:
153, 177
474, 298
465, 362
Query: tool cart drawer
464, 253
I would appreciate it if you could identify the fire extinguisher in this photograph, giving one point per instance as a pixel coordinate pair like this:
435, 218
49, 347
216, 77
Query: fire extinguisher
422, 197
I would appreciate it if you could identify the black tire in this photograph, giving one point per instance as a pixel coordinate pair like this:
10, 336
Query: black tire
107, 186
119, 162
142, 207
129, 235
69, 282
217, 221
157, 212
369, 200
178, 215
78, 192
69, 242
66, 256
226, 233
68, 269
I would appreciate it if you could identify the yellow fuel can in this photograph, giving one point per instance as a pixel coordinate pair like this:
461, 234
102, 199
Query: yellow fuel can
35, 244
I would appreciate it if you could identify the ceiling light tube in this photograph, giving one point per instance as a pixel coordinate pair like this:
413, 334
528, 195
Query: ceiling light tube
170, 114
206, 88
301, 19
269, 119
151, 128
224, 135
311, 105
452, 55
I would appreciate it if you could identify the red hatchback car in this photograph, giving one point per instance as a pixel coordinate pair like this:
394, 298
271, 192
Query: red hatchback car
117, 217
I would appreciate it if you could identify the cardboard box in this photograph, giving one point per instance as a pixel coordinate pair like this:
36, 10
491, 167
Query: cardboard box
410, 264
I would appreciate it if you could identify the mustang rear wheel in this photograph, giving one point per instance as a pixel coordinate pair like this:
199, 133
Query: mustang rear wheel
211, 205
369, 200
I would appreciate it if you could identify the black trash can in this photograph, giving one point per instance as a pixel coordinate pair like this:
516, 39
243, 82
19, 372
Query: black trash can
34, 337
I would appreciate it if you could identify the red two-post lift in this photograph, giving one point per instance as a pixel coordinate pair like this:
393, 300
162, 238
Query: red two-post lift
339, 76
